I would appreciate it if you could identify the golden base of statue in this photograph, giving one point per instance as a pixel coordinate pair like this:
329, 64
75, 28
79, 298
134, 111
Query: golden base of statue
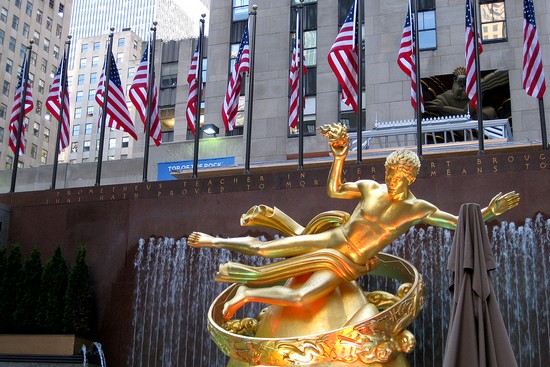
347, 327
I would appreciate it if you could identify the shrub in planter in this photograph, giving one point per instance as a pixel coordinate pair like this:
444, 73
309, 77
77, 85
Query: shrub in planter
52, 294
78, 313
28, 294
8, 288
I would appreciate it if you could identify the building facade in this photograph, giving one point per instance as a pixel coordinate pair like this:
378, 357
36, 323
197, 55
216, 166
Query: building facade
47, 24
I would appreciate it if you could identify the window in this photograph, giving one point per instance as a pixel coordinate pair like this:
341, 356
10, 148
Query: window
36, 37
3, 109
79, 95
88, 126
28, 8
26, 30
1, 133
4, 15
121, 42
80, 80
135, 45
61, 10
23, 51
240, 10
84, 47
39, 16
131, 72
9, 162
44, 156
74, 147
18, 3
86, 146
77, 114
93, 78
9, 66
91, 94
34, 150
6, 88
49, 22
38, 108
112, 143
34, 56
69, 80
2, 34
76, 130
125, 141
36, 129
15, 22
169, 75
95, 61
83, 63
96, 46
493, 20
11, 45
58, 30
120, 57
426, 25
44, 65
46, 45
46, 134
52, 3
56, 51
167, 119
41, 86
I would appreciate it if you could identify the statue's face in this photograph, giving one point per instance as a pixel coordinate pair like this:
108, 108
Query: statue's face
459, 87
396, 180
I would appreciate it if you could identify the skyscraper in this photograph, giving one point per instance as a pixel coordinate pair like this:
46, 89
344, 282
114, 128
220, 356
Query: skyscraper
92, 18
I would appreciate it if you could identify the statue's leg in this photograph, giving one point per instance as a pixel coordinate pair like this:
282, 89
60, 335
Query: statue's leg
281, 247
319, 284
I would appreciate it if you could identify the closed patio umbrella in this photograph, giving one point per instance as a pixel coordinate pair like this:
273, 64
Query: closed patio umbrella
477, 335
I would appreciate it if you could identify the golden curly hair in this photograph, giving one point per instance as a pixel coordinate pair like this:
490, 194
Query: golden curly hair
405, 161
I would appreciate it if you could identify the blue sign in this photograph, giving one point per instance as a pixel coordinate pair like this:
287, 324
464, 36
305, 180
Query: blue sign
166, 168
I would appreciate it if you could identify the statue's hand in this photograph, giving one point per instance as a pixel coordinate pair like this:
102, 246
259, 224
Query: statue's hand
338, 138
502, 203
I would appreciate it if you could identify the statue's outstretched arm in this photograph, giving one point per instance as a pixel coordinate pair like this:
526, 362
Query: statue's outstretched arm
500, 204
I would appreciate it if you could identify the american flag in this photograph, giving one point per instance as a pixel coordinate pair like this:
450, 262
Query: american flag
533, 73
16, 110
406, 59
295, 77
471, 88
192, 80
343, 56
138, 96
242, 65
118, 116
53, 104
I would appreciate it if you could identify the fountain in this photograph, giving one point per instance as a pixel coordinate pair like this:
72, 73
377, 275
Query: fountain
174, 290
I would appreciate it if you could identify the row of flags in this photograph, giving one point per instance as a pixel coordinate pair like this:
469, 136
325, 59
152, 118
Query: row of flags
342, 58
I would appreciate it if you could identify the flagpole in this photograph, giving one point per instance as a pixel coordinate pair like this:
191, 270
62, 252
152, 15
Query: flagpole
417, 80
252, 46
199, 92
20, 118
360, 76
150, 86
480, 131
104, 109
63, 89
300, 102
543, 124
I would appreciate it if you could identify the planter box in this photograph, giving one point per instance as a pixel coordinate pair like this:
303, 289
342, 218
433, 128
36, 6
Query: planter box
59, 345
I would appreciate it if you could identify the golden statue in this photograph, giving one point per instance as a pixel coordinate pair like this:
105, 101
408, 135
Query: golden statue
331, 252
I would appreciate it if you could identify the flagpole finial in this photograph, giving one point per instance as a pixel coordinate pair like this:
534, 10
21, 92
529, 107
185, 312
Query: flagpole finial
112, 29
69, 37
155, 23
31, 42
203, 15
254, 7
